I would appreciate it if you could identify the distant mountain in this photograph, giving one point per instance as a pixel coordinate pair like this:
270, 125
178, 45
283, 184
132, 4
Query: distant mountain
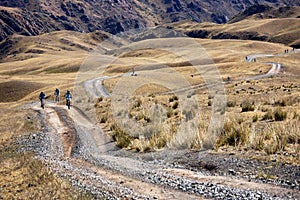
33, 17
267, 12
263, 23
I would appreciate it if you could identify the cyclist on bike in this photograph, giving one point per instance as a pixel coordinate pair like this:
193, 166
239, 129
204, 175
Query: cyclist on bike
68, 97
56, 93
42, 99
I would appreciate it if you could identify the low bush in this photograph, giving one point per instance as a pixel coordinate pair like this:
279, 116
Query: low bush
103, 119
281, 102
279, 114
137, 103
268, 116
255, 118
173, 98
233, 134
121, 138
170, 113
209, 103
175, 105
247, 106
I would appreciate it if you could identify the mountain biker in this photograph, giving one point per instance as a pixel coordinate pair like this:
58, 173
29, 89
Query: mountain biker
42, 99
56, 93
68, 97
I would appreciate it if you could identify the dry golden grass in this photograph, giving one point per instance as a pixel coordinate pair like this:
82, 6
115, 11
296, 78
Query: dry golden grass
38, 64
56, 66
243, 130
22, 176
281, 30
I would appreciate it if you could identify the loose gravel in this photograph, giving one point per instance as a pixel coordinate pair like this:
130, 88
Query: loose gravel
48, 147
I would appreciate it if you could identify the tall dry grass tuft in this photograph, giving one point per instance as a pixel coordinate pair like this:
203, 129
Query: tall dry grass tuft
234, 133
279, 114
122, 139
276, 137
247, 106
270, 137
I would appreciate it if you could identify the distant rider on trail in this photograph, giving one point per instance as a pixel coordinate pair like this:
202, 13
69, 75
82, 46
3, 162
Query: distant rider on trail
68, 97
56, 93
42, 99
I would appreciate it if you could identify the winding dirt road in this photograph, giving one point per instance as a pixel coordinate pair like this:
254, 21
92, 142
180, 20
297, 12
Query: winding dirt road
79, 150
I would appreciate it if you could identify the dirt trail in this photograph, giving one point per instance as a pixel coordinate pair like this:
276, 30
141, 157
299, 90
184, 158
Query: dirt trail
96, 88
76, 148
276, 67
80, 151
94, 144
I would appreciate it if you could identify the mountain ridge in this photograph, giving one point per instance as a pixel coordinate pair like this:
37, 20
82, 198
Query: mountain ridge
32, 17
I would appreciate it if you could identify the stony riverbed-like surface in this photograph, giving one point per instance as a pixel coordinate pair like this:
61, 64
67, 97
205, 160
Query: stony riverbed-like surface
48, 148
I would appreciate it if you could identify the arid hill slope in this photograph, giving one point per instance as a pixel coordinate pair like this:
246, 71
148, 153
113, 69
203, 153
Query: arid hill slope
113, 16
267, 12
271, 25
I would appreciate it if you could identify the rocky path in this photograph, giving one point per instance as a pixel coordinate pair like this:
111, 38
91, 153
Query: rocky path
76, 149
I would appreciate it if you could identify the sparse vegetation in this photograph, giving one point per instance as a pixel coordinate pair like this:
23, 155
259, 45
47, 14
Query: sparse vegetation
272, 129
103, 119
266, 131
281, 102
255, 118
122, 139
279, 114
175, 105
173, 98
209, 103
170, 113
137, 103
268, 116
233, 134
22, 175
247, 106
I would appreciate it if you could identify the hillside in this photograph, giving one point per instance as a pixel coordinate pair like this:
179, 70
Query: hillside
36, 17
267, 12
282, 29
